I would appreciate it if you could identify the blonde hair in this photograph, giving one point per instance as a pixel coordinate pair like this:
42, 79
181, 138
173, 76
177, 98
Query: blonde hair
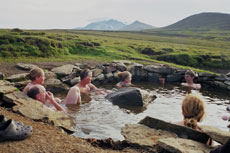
37, 72
193, 110
123, 75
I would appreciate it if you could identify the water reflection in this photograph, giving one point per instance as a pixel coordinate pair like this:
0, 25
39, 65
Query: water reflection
101, 119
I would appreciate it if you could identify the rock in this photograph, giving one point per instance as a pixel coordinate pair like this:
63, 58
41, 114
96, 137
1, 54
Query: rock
17, 77
216, 134
100, 77
143, 135
75, 80
154, 77
220, 78
121, 67
55, 86
228, 74
228, 108
137, 71
7, 89
26, 67
227, 83
63, 70
109, 77
176, 77
147, 97
1, 75
126, 96
159, 69
96, 72
50, 75
109, 69
6, 83
20, 85
37, 111
178, 145
181, 131
219, 84
68, 78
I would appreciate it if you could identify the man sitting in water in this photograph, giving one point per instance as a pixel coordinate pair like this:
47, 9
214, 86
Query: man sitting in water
83, 87
38, 92
189, 77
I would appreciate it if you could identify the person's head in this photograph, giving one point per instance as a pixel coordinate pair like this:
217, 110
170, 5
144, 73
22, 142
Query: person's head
36, 75
37, 92
125, 76
189, 76
193, 110
86, 76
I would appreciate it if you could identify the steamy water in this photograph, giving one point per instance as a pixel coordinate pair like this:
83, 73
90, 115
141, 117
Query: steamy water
101, 119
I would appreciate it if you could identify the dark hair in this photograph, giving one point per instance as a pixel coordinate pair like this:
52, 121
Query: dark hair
37, 72
190, 73
84, 73
33, 92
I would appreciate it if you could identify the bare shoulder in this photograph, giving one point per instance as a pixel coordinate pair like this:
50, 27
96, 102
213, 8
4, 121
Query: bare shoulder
75, 89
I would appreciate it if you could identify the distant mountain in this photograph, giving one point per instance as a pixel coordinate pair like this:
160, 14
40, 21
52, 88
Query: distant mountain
115, 25
104, 25
137, 26
203, 21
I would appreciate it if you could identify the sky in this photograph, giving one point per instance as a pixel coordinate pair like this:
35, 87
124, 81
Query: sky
69, 14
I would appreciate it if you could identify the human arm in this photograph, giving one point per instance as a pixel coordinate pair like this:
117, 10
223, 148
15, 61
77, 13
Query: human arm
51, 98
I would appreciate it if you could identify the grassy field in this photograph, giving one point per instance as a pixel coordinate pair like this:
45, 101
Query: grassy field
198, 49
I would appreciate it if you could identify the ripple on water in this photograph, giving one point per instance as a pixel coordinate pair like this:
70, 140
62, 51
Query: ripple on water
101, 119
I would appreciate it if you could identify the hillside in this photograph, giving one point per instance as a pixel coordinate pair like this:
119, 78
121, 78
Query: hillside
136, 26
200, 50
204, 21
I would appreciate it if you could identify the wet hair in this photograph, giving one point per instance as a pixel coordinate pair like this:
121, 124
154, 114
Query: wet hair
33, 92
190, 73
193, 110
84, 73
123, 75
37, 72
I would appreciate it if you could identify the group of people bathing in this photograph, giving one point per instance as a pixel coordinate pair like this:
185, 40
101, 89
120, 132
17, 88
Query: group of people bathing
192, 106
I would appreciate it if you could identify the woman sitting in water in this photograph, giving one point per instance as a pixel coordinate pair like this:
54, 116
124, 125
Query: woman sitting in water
84, 87
193, 112
189, 77
125, 79
37, 77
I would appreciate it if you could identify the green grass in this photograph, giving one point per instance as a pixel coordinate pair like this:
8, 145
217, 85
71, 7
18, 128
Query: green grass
196, 49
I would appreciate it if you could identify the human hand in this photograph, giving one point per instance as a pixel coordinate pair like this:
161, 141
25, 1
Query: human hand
49, 95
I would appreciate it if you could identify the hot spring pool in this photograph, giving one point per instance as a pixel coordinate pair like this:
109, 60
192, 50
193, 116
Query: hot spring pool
101, 119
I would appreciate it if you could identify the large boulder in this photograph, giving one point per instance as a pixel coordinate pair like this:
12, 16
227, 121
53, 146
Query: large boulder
26, 67
216, 134
126, 96
159, 69
179, 145
37, 111
17, 77
181, 131
55, 86
144, 135
63, 70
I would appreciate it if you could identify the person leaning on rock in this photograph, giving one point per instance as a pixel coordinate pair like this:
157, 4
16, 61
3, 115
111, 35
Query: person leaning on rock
39, 93
193, 111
